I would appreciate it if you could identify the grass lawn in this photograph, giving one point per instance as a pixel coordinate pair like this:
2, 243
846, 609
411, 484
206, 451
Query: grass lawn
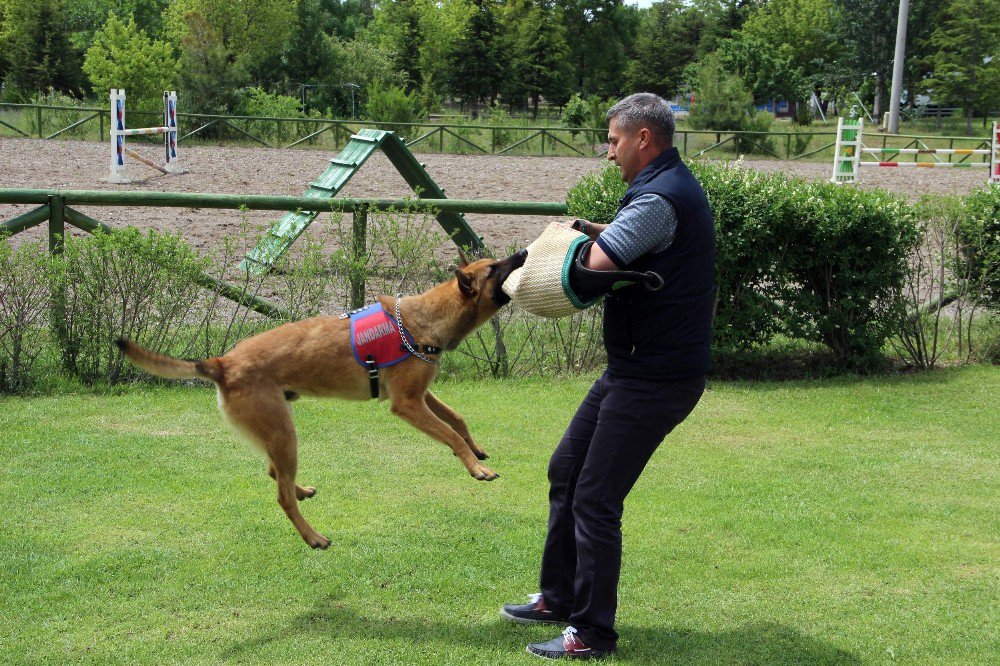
837, 521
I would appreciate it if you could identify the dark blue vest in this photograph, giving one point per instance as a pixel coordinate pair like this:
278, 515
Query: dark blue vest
667, 334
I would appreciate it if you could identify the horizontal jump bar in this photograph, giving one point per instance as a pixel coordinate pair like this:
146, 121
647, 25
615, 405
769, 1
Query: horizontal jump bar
929, 151
928, 165
142, 130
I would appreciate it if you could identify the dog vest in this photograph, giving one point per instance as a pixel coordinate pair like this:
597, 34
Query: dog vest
376, 340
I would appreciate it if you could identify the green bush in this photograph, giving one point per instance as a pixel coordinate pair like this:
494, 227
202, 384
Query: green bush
758, 121
259, 102
392, 104
125, 284
845, 263
595, 197
746, 205
979, 244
818, 262
576, 113
24, 307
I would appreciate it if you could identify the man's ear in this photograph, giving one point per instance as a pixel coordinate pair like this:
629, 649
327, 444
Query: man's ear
463, 260
465, 283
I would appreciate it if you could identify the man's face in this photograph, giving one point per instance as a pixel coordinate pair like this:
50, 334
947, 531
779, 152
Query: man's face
623, 149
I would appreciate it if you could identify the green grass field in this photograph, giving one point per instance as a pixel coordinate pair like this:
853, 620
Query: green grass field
835, 521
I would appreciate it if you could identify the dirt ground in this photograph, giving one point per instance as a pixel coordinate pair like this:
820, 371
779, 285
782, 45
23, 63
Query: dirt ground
37, 164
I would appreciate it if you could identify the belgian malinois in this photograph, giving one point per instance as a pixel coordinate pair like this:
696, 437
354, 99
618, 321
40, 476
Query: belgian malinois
258, 377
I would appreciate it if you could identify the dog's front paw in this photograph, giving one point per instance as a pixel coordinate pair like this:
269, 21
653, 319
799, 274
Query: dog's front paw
319, 541
482, 473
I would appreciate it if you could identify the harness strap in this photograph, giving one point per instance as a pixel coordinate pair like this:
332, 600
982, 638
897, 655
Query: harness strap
372, 375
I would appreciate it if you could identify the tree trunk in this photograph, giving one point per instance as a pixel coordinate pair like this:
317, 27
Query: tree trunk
877, 105
968, 117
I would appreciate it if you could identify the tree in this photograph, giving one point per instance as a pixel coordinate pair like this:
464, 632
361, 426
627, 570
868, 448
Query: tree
867, 30
667, 42
537, 54
123, 56
798, 32
475, 68
396, 28
251, 33
38, 49
966, 64
767, 73
721, 101
600, 35
210, 77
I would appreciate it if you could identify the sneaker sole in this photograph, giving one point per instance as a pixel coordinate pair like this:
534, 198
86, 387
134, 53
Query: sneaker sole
524, 620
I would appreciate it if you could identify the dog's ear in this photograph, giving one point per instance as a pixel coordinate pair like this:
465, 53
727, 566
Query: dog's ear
465, 283
463, 260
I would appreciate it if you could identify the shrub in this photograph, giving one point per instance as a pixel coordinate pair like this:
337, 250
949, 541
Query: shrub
595, 197
746, 205
126, 285
844, 267
576, 113
24, 306
259, 102
979, 238
822, 263
393, 105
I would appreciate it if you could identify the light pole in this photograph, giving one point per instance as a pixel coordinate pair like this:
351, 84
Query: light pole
897, 66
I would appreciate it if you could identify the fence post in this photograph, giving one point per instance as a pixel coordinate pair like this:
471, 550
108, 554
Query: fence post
39, 112
57, 223
57, 294
358, 251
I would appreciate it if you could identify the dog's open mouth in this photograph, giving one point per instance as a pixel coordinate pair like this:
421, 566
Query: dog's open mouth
503, 270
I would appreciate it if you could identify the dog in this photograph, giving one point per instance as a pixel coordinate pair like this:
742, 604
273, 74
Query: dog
258, 378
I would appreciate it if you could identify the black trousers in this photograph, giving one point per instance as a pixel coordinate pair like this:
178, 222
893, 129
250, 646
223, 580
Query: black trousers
616, 429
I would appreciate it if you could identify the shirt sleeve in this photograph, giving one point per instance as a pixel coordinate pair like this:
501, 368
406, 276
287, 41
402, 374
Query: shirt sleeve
647, 224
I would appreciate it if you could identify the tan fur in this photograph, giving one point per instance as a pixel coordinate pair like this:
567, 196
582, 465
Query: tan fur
313, 357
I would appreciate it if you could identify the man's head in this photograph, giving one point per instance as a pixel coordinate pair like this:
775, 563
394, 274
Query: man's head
640, 127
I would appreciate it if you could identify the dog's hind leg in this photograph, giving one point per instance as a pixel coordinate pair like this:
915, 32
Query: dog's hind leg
301, 492
414, 410
266, 418
455, 420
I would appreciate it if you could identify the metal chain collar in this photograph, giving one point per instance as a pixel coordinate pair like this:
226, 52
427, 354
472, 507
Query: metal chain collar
402, 335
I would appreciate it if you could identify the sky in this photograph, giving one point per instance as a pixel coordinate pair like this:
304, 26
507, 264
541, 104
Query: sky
639, 3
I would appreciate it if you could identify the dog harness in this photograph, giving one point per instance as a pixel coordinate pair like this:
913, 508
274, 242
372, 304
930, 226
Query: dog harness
378, 340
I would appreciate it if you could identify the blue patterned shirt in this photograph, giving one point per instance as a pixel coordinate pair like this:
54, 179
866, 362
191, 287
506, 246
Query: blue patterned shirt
647, 224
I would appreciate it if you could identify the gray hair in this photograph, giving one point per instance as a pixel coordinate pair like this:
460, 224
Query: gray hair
646, 110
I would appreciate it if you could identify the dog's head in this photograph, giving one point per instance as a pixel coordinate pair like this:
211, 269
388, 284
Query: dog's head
479, 282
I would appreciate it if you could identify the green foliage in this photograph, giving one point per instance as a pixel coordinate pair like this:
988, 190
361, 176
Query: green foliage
812, 260
979, 244
123, 56
575, 113
966, 60
595, 197
721, 100
23, 308
844, 268
125, 284
757, 121
210, 77
390, 104
35, 43
666, 43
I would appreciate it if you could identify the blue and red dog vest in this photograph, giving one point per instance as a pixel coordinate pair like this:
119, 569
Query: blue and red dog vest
375, 334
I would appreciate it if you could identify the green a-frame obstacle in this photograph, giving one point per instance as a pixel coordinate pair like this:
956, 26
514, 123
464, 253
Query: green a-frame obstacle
361, 146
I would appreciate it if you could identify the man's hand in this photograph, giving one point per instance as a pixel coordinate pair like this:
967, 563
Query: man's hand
592, 229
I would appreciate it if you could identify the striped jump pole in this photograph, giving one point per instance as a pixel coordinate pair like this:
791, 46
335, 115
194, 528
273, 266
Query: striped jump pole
119, 131
995, 156
849, 148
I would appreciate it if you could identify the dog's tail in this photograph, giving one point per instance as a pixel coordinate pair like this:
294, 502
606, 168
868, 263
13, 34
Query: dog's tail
168, 366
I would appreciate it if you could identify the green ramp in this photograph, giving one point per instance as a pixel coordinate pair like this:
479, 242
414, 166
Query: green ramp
281, 236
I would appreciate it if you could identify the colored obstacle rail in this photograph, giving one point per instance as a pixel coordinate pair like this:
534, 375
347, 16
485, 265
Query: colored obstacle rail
362, 145
849, 149
119, 131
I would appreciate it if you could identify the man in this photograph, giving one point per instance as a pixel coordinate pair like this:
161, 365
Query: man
658, 357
